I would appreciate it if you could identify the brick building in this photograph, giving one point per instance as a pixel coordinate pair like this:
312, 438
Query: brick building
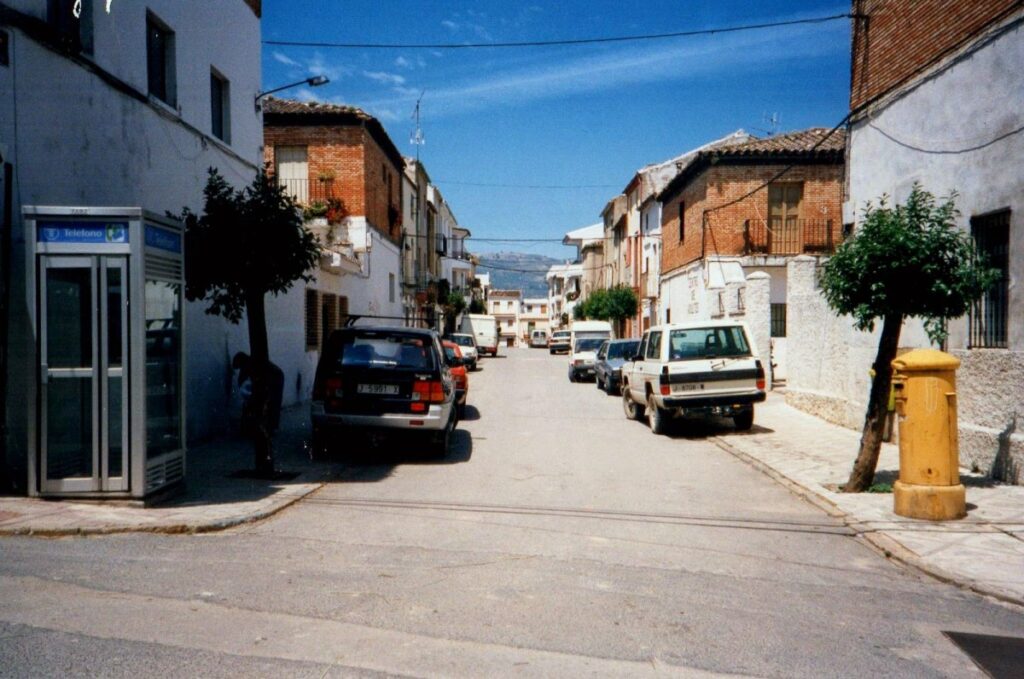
936, 100
341, 166
714, 234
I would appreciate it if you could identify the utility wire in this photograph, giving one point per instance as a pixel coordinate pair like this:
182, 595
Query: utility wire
528, 186
551, 43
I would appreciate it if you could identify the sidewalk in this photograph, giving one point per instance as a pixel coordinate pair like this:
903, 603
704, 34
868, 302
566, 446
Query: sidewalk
983, 552
213, 498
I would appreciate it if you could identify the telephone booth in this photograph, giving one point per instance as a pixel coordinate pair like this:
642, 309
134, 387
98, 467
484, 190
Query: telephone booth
106, 290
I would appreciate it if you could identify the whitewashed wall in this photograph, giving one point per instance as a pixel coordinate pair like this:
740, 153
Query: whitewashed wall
950, 138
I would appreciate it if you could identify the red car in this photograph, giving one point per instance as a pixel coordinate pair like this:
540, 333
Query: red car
453, 354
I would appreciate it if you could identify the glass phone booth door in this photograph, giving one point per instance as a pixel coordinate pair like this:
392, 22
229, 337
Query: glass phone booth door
84, 397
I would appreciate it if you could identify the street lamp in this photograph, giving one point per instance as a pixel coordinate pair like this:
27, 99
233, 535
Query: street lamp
315, 81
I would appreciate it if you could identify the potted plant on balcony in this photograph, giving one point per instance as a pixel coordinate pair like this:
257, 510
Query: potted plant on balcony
316, 213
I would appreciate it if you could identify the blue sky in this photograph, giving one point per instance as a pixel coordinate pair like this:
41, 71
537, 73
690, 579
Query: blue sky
585, 116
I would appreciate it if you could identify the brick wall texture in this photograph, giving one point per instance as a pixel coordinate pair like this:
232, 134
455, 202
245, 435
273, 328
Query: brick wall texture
822, 199
900, 38
364, 178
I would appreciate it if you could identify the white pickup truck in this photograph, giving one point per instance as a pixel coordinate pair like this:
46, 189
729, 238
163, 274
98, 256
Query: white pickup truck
700, 367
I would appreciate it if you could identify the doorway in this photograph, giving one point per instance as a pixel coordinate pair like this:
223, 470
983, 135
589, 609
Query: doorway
83, 376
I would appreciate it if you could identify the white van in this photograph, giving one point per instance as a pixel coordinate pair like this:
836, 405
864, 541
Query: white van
484, 330
589, 330
539, 338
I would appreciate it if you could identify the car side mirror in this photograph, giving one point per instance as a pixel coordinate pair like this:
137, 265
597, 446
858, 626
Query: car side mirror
637, 357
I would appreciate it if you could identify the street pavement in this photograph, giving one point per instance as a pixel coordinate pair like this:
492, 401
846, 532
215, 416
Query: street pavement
556, 539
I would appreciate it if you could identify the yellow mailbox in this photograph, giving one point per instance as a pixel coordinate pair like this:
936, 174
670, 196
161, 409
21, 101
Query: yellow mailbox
924, 385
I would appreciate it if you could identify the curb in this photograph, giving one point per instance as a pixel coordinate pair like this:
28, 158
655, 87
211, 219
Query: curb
166, 529
878, 541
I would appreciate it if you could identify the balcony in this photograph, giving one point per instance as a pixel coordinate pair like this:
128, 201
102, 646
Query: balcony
790, 237
308, 191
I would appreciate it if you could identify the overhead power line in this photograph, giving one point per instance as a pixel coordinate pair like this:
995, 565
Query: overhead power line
552, 43
528, 186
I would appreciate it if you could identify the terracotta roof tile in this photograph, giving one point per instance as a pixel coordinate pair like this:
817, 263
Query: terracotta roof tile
275, 105
802, 141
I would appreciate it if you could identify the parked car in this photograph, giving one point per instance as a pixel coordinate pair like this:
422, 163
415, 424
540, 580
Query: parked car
581, 360
456, 363
386, 380
608, 366
538, 338
467, 345
701, 367
559, 342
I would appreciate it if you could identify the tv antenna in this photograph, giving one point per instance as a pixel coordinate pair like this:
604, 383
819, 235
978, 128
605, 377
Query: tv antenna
416, 138
771, 120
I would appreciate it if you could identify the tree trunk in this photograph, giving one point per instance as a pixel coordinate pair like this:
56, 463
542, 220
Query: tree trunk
863, 472
263, 451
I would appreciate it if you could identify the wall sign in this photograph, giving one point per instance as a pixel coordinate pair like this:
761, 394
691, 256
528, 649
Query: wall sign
162, 239
82, 232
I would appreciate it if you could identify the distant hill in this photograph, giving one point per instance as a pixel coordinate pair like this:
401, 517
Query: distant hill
518, 271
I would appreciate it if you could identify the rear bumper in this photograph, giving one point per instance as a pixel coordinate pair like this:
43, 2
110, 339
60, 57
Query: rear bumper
709, 402
435, 419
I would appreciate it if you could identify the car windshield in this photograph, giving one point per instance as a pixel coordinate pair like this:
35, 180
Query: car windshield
694, 343
374, 350
463, 340
623, 349
589, 344
560, 335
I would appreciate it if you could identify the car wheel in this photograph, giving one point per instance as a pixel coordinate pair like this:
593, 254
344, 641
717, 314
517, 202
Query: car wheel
656, 417
745, 420
442, 439
572, 376
609, 388
633, 410
597, 381
461, 411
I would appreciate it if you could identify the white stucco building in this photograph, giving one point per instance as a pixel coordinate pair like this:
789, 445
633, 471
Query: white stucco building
127, 108
947, 115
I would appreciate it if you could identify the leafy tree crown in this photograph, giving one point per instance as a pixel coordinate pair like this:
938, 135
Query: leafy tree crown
907, 261
245, 242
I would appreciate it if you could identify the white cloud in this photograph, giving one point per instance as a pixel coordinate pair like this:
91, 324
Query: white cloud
450, 25
318, 65
625, 66
285, 59
386, 78
402, 62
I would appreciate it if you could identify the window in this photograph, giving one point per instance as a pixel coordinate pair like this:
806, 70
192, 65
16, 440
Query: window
312, 320
778, 312
291, 167
73, 33
701, 343
990, 315
328, 315
654, 345
391, 288
160, 60
682, 221
220, 107
5, 41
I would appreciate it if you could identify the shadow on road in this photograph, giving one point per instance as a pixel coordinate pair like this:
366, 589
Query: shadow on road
369, 461
471, 414
687, 428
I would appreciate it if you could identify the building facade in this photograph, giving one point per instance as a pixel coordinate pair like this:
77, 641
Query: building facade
916, 117
505, 306
719, 223
161, 92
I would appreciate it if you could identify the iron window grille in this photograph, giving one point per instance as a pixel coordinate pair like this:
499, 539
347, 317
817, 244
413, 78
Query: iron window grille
989, 318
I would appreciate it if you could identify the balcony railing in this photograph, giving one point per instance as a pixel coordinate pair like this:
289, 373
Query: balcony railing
790, 236
308, 191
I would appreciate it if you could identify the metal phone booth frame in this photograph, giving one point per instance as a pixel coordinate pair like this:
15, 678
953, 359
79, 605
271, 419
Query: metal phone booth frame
106, 294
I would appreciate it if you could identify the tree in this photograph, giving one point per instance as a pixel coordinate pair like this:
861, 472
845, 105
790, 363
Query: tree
245, 244
910, 261
615, 304
453, 305
476, 306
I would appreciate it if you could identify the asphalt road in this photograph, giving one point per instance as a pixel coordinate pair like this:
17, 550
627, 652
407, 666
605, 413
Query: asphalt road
556, 539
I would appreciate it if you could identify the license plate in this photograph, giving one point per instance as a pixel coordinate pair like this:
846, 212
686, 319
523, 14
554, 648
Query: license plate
378, 389
687, 387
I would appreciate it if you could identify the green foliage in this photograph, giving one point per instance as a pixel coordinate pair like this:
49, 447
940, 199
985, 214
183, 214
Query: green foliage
476, 306
245, 242
910, 261
614, 304
455, 304
317, 208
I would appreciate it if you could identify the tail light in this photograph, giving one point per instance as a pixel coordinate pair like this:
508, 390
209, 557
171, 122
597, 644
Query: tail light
328, 389
663, 384
428, 392
760, 376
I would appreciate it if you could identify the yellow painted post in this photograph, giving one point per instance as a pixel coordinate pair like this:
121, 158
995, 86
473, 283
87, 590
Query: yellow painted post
924, 384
